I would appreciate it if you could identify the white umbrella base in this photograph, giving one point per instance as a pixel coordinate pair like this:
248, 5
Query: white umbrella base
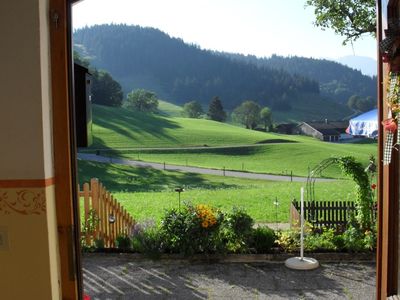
297, 263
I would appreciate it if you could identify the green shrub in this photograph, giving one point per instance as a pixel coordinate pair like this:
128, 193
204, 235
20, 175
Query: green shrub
123, 242
99, 243
370, 239
235, 232
193, 230
289, 240
324, 241
262, 239
150, 242
355, 239
227, 241
240, 222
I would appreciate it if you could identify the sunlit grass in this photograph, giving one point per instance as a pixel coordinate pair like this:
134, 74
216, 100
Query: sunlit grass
151, 192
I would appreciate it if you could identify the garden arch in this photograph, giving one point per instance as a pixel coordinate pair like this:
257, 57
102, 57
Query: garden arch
353, 169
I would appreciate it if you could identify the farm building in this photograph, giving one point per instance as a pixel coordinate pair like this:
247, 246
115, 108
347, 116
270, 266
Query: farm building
324, 131
286, 128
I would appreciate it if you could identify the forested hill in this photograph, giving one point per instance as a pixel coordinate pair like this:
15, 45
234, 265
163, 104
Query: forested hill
338, 82
148, 58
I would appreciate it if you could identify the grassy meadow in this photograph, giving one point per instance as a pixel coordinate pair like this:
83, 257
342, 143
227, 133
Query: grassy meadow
127, 134
115, 128
146, 193
279, 158
169, 109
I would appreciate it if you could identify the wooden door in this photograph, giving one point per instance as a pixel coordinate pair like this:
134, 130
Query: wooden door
388, 184
65, 149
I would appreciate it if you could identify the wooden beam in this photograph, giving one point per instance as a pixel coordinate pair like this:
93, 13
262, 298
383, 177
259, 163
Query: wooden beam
64, 160
388, 180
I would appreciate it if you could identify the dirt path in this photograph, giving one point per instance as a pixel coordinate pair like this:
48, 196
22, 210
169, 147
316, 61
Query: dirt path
169, 167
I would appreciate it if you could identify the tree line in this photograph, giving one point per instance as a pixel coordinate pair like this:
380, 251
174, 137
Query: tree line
177, 71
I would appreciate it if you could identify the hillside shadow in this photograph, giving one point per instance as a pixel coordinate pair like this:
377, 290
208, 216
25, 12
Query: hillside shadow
275, 141
243, 150
126, 123
129, 179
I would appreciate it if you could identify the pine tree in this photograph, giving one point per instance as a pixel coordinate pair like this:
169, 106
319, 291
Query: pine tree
216, 111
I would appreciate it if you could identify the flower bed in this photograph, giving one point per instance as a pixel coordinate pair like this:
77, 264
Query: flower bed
206, 231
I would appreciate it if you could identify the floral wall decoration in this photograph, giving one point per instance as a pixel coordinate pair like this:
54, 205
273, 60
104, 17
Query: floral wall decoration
390, 51
25, 202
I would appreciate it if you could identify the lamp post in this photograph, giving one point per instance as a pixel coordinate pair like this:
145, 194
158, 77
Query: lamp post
276, 204
179, 190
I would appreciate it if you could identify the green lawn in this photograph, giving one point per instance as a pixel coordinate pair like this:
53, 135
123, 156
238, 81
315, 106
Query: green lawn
121, 128
169, 109
146, 193
281, 158
116, 128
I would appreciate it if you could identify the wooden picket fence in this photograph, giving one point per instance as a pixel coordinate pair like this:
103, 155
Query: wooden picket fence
330, 214
112, 219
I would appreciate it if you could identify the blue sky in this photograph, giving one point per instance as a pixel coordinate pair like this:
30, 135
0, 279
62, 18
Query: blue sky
259, 27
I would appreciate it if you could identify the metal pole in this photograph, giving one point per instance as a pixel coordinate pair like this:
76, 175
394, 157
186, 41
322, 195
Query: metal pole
276, 213
302, 223
179, 200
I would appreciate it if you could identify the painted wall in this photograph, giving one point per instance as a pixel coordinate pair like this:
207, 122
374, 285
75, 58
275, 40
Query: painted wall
24, 82
29, 260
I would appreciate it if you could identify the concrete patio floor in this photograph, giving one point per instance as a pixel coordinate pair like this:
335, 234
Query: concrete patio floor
121, 277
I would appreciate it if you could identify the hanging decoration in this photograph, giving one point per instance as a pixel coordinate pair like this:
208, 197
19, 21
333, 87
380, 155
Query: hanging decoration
390, 51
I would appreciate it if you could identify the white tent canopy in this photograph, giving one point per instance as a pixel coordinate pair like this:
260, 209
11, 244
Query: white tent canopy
365, 124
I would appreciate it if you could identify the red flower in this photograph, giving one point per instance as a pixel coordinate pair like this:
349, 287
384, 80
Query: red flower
373, 186
86, 297
389, 125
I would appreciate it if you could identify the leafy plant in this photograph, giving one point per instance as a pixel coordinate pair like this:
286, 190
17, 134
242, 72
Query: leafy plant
240, 221
262, 239
123, 242
149, 242
235, 232
193, 230
99, 243
353, 240
89, 228
364, 199
326, 241
288, 240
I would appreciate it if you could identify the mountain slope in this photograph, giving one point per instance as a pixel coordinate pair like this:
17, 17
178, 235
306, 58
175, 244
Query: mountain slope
148, 58
337, 82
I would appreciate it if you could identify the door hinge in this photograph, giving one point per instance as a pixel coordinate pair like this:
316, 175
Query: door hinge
55, 17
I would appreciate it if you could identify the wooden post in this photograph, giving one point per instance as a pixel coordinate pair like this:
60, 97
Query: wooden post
94, 184
86, 204
119, 219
